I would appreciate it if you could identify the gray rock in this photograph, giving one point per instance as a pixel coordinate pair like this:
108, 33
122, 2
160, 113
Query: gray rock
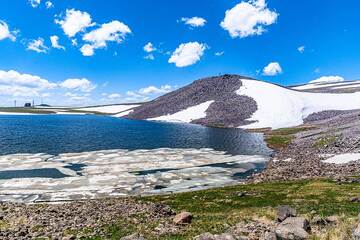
224, 236
355, 199
205, 236
332, 220
356, 232
270, 236
317, 220
134, 236
293, 228
183, 218
284, 212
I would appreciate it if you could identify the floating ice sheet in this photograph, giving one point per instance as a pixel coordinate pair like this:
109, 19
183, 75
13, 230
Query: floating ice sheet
121, 173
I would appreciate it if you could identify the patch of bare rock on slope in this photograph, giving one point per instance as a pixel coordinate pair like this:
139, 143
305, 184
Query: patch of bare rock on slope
332, 133
228, 109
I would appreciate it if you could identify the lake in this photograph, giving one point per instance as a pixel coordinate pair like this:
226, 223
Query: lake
65, 157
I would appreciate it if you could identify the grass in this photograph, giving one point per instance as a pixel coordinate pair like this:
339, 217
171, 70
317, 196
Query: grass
281, 138
325, 141
215, 210
25, 110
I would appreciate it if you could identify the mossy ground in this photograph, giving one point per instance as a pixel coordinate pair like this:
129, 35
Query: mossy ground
280, 138
215, 210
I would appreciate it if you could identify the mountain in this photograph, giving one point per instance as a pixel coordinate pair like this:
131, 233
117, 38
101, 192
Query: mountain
237, 101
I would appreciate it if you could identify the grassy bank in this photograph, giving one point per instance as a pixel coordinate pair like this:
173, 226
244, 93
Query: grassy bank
215, 210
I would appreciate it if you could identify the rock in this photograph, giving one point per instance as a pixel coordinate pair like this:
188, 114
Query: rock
183, 218
355, 199
270, 236
317, 220
242, 194
332, 220
209, 236
356, 232
284, 212
134, 236
293, 228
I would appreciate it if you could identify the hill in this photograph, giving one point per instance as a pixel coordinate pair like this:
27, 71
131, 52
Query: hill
237, 101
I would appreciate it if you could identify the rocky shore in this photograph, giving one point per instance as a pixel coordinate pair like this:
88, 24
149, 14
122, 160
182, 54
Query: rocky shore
323, 136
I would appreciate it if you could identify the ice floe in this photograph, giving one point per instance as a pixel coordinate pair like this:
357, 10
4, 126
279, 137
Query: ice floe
120, 173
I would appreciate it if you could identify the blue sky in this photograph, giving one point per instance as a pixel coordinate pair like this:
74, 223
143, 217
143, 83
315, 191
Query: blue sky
183, 49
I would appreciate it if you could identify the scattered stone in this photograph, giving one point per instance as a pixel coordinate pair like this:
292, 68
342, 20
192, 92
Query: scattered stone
183, 218
356, 232
242, 194
293, 228
134, 236
205, 236
355, 199
284, 212
317, 220
332, 220
270, 236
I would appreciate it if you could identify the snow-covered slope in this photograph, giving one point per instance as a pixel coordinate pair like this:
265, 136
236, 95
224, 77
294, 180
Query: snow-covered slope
330, 87
110, 108
280, 107
236, 101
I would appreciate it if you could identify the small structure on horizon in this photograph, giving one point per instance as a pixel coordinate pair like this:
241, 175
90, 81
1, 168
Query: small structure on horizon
27, 105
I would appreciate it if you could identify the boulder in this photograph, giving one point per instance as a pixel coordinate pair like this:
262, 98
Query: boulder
209, 236
284, 212
332, 220
355, 199
356, 232
183, 218
317, 220
293, 228
270, 236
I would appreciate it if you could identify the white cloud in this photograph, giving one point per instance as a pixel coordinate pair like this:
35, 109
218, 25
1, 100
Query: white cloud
149, 47
55, 42
218, 54
248, 18
5, 32
76, 84
150, 56
34, 3
187, 54
74, 21
87, 50
37, 45
301, 49
76, 97
194, 21
49, 4
328, 79
114, 96
150, 90
272, 69
114, 31
15, 84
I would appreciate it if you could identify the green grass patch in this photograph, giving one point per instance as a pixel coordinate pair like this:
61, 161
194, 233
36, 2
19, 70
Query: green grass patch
215, 210
325, 141
280, 138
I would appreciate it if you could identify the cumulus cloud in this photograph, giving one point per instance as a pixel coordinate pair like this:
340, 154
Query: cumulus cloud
149, 47
301, 49
248, 19
49, 4
194, 21
5, 32
187, 54
34, 3
83, 84
149, 57
76, 97
151, 90
114, 96
74, 21
113, 31
13, 83
272, 69
55, 42
37, 45
328, 79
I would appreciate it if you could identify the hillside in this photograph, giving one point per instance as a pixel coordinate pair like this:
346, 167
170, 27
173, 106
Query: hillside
236, 101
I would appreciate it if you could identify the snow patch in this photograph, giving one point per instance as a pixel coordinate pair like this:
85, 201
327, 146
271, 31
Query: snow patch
280, 107
343, 158
186, 115
110, 108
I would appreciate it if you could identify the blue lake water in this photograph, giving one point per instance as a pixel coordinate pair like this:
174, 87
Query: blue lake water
55, 134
